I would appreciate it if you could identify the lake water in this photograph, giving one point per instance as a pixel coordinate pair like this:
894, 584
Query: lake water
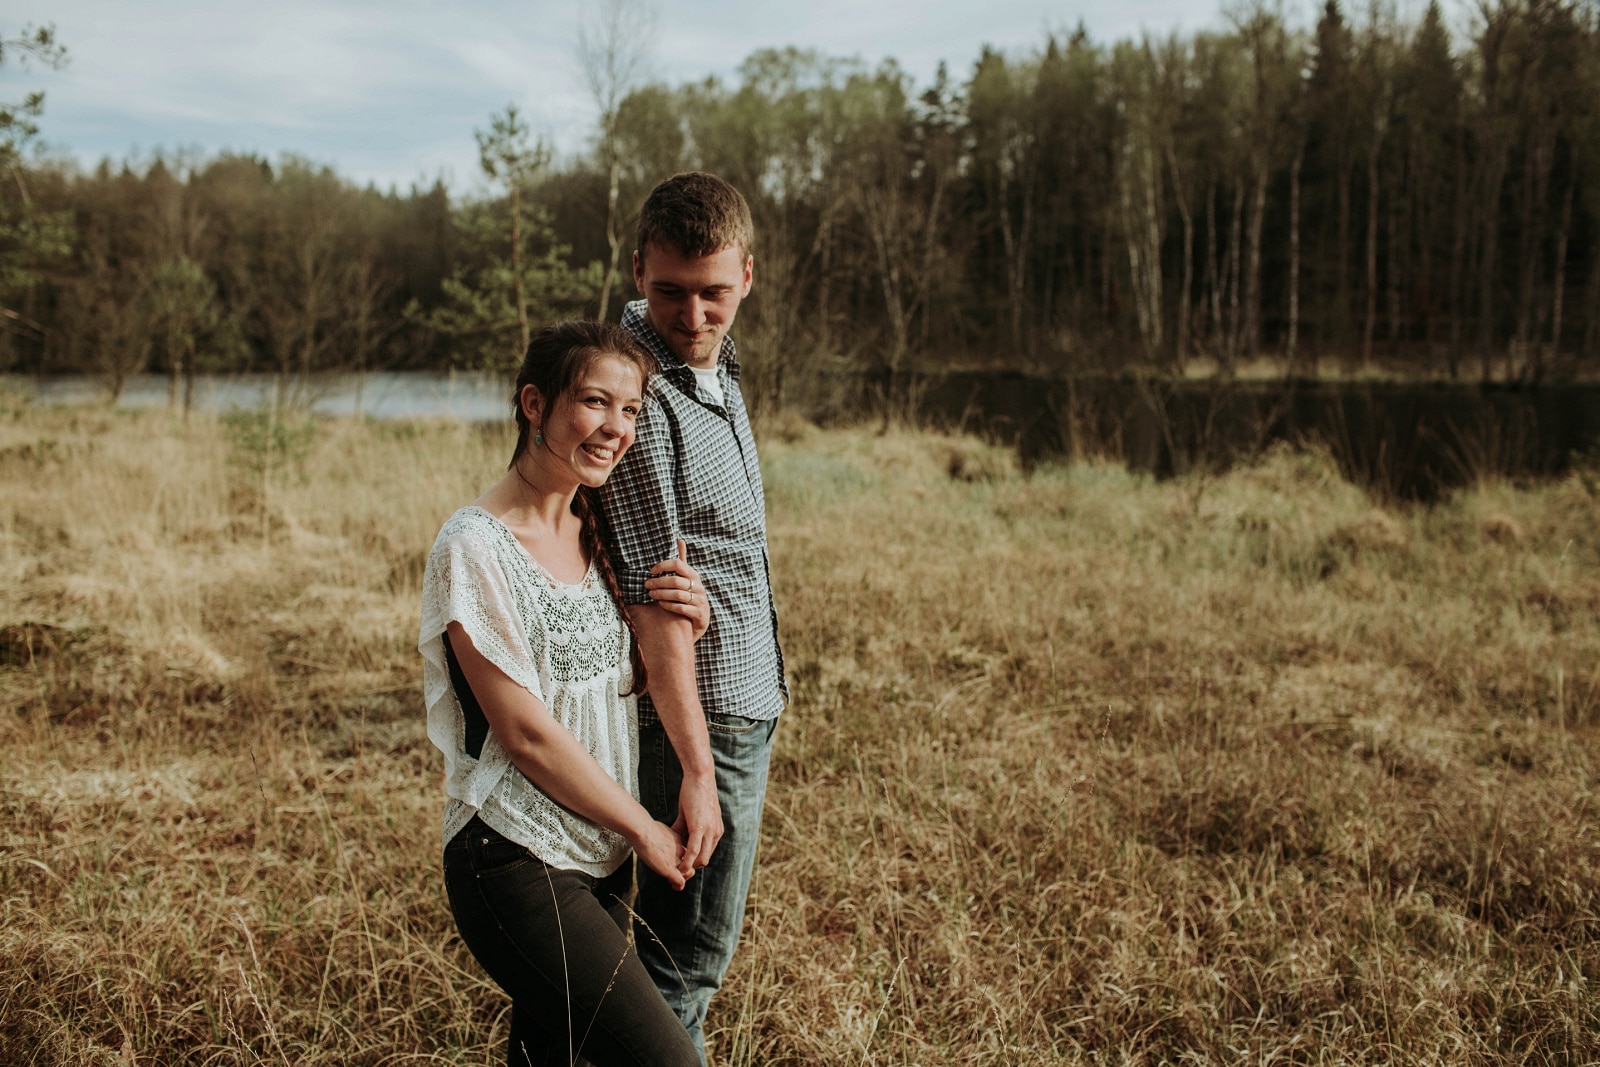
379, 395
1405, 440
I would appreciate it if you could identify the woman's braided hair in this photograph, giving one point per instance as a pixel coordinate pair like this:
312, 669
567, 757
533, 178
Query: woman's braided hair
556, 359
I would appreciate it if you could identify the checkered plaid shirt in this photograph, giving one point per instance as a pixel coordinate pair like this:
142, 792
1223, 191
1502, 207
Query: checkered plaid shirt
692, 473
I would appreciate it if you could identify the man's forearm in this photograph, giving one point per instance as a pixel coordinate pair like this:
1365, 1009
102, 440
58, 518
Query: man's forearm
667, 643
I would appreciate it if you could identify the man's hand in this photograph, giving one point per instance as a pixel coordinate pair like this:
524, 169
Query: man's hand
662, 851
699, 817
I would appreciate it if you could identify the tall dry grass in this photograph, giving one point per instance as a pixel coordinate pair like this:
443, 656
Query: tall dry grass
1080, 768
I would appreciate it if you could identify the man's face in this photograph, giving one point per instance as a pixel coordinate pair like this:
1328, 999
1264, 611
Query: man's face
692, 299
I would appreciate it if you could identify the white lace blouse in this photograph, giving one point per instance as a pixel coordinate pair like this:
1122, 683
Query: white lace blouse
566, 645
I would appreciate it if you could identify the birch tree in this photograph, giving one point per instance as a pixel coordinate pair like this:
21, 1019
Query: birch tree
1145, 134
613, 52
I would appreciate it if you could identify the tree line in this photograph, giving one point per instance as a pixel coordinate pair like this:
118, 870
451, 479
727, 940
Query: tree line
1365, 190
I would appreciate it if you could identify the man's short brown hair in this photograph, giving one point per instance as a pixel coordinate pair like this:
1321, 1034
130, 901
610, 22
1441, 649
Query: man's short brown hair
696, 214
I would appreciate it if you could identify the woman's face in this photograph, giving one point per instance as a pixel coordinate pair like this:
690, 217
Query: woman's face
586, 431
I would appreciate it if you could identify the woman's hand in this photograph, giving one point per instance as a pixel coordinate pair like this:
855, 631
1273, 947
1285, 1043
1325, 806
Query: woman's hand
676, 586
663, 852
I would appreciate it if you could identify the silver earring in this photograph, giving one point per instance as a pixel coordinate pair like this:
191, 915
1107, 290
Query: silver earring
538, 438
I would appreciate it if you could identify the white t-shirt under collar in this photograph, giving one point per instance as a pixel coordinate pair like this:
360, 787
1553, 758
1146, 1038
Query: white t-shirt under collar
709, 381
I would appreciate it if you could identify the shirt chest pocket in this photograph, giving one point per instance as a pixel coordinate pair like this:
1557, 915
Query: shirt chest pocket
717, 495
721, 503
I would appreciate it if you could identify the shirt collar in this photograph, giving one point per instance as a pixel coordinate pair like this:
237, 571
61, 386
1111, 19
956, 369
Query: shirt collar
634, 321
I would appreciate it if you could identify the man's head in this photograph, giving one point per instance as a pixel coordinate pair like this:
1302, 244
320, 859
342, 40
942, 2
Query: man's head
692, 262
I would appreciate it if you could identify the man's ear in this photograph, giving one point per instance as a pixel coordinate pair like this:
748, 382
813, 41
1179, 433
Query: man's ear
749, 275
638, 272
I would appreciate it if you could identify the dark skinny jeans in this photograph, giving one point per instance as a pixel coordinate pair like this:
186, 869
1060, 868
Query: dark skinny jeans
556, 942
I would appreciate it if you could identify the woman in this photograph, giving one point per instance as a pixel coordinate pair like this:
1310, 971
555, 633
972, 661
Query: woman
529, 675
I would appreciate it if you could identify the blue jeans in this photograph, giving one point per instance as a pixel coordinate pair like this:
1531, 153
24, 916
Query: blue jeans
686, 938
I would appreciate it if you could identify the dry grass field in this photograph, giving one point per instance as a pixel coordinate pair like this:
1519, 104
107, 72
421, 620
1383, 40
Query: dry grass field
1081, 768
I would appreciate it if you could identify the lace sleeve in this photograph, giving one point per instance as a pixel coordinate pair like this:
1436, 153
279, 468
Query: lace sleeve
465, 583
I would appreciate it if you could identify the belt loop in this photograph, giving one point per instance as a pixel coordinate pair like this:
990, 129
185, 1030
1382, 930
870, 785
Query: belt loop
478, 833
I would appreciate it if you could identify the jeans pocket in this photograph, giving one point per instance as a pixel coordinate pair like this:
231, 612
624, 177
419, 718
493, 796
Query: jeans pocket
493, 854
737, 725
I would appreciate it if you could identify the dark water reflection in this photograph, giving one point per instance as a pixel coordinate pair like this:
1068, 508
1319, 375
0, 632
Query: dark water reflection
1405, 441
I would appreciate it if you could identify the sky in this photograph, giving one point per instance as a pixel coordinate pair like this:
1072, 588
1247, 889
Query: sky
390, 91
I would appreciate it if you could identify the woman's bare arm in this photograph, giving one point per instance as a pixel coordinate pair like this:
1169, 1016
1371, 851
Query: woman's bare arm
561, 767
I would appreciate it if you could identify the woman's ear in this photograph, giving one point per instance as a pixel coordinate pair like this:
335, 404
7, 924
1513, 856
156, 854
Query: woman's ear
532, 405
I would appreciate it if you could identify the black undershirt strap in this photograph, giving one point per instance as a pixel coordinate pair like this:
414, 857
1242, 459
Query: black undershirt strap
476, 722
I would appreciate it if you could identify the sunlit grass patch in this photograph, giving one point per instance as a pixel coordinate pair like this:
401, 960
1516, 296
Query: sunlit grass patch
1082, 767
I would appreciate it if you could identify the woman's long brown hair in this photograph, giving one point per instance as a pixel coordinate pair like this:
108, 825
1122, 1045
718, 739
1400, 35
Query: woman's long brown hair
556, 359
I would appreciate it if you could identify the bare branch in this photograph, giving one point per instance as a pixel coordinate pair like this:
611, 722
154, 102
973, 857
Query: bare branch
34, 43
613, 51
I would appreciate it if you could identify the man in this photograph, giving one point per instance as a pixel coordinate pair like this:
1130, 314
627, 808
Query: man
706, 725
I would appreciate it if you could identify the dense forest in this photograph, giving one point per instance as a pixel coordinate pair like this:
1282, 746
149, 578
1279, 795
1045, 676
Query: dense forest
1356, 192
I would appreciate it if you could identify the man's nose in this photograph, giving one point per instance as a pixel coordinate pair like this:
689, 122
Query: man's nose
694, 312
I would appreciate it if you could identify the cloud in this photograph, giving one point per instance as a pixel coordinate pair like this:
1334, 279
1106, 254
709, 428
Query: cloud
389, 91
